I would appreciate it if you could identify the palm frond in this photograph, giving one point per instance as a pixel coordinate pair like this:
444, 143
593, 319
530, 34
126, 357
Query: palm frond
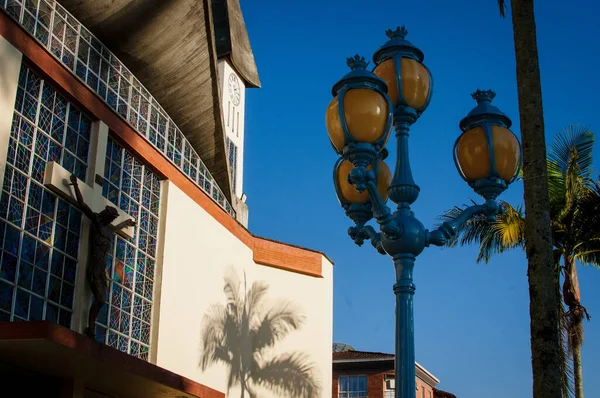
493, 237
506, 233
586, 241
275, 325
589, 253
212, 336
510, 226
232, 291
292, 375
569, 169
237, 332
469, 232
254, 299
575, 317
566, 366
250, 391
574, 139
502, 8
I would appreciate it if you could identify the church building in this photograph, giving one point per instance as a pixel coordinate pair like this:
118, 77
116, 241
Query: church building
126, 265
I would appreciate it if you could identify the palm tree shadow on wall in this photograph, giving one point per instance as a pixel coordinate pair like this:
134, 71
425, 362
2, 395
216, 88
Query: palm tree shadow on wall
242, 332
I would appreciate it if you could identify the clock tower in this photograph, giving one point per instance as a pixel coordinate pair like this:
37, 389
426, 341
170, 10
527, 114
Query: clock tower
237, 72
233, 101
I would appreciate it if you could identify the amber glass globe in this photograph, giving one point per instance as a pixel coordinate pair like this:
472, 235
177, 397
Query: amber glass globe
473, 154
365, 112
347, 191
416, 81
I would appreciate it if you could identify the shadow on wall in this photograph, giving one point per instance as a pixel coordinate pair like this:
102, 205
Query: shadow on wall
243, 332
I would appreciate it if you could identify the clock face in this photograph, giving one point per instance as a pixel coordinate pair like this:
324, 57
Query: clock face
234, 89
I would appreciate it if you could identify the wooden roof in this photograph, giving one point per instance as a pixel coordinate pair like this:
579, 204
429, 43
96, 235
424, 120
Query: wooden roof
442, 394
232, 39
366, 355
169, 45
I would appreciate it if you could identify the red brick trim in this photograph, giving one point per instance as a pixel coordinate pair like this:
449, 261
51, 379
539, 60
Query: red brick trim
274, 254
280, 255
122, 362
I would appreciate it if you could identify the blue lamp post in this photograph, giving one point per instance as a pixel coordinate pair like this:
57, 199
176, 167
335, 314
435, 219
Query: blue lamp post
360, 118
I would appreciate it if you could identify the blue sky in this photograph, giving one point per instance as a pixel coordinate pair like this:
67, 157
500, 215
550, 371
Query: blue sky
471, 320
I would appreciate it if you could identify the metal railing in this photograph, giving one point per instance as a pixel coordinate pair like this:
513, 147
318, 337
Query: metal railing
82, 53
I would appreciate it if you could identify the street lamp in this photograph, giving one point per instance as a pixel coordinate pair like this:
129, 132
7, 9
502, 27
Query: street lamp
359, 119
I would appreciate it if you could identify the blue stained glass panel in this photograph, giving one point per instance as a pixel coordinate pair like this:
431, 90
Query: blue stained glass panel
54, 289
4, 199
6, 295
51, 313
22, 304
8, 267
136, 190
36, 308
28, 249
65, 318
39, 282
70, 270
36, 252
25, 276
35, 196
15, 212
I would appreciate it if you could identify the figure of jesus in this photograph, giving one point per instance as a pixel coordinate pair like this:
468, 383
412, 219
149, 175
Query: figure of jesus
101, 236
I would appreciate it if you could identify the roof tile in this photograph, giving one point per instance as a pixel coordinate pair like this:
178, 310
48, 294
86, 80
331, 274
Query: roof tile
360, 355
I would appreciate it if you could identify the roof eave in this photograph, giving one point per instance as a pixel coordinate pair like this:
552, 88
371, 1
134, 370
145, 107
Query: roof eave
147, 36
233, 40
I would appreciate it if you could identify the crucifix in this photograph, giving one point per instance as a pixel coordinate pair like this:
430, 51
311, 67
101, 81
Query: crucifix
105, 220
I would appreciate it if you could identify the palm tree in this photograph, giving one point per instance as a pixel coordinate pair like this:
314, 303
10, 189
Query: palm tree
545, 336
239, 335
575, 220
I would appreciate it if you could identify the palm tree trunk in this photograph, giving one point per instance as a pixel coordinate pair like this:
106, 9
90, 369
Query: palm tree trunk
572, 297
566, 368
545, 341
578, 371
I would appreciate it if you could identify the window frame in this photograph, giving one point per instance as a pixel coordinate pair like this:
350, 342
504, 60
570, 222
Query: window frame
353, 393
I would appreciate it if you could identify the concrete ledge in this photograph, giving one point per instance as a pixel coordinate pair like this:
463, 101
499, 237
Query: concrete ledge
59, 352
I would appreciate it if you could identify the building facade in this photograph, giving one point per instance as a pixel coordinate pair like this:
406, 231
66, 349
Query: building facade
362, 374
143, 103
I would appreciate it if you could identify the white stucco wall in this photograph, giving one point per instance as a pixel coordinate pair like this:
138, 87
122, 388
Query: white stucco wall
197, 253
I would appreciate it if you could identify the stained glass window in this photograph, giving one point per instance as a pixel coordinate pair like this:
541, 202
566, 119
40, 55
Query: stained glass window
232, 158
39, 232
124, 323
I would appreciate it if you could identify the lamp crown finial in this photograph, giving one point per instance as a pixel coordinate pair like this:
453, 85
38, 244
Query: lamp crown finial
357, 62
399, 32
483, 96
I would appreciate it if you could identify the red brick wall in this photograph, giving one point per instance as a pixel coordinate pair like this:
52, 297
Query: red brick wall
425, 390
375, 385
334, 387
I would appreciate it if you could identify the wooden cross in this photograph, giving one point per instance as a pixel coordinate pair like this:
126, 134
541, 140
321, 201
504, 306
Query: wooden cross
56, 178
